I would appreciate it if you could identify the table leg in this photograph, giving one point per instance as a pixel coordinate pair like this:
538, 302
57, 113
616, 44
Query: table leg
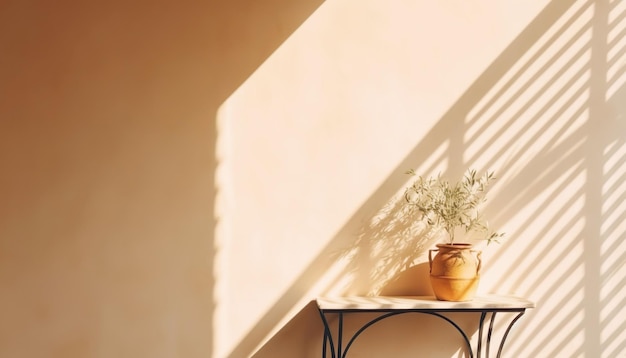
339, 335
328, 338
480, 334
506, 333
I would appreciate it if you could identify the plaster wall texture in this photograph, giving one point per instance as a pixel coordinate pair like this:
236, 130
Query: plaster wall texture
182, 179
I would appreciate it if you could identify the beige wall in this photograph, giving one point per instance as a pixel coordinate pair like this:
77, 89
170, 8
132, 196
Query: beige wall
106, 139
182, 179
315, 142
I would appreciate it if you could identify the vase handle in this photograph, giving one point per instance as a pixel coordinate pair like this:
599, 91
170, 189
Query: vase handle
430, 259
480, 262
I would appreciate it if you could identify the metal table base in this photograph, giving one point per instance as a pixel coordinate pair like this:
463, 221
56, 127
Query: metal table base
386, 307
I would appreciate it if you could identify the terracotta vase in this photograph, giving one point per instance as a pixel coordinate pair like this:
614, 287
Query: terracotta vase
454, 271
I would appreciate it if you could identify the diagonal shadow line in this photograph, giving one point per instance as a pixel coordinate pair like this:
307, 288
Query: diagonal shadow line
533, 79
618, 182
438, 134
525, 68
614, 295
620, 347
549, 159
611, 252
617, 240
567, 105
538, 94
614, 336
617, 19
531, 340
611, 209
614, 170
617, 37
618, 74
608, 256
245, 47
552, 161
615, 152
613, 5
564, 342
528, 252
536, 250
548, 83
561, 166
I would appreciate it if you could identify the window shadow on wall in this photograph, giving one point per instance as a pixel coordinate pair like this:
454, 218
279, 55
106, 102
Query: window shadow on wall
548, 101
243, 35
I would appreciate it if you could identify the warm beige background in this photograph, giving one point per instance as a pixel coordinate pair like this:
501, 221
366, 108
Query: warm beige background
181, 179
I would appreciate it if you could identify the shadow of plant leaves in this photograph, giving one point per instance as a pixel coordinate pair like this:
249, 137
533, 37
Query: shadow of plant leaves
390, 242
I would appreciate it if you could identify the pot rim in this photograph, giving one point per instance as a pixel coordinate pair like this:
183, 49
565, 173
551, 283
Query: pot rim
456, 245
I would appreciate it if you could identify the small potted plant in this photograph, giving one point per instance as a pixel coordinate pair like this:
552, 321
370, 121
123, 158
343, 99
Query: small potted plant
452, 207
